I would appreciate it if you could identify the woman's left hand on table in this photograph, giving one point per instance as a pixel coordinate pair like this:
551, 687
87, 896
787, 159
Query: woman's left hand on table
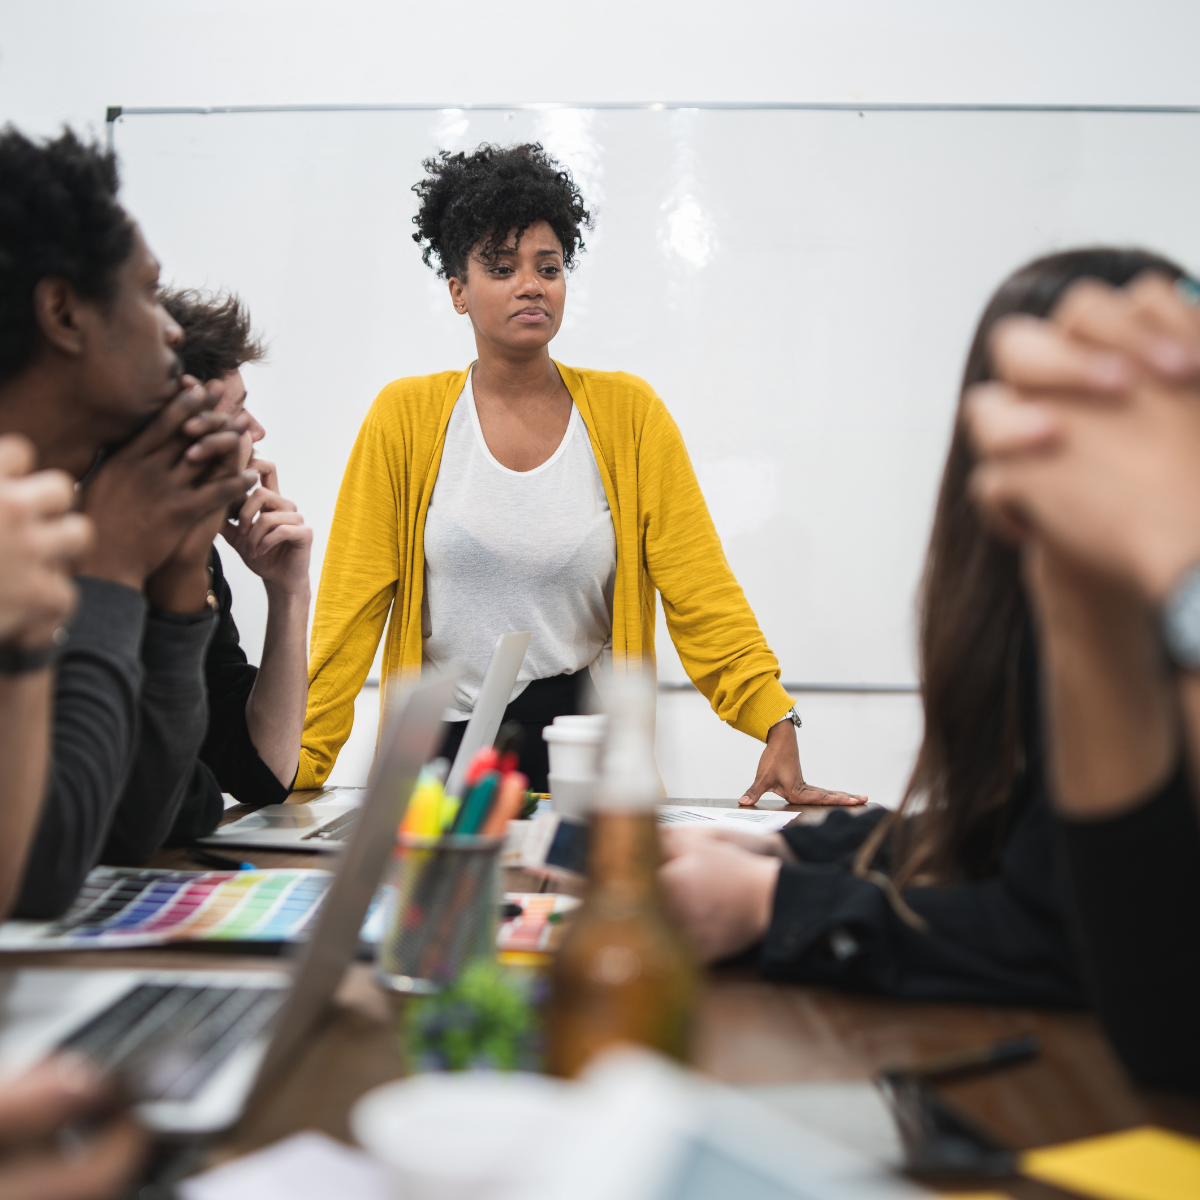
779, 772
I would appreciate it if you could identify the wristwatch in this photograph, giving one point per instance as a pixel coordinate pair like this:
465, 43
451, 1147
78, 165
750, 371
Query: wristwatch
16, 660
1180, 622
791, 715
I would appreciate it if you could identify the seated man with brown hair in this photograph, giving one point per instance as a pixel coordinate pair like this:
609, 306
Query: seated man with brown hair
255, 714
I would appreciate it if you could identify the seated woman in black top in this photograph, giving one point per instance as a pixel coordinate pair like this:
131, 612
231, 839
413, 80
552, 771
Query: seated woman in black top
1093, 442
255, 714
961, 893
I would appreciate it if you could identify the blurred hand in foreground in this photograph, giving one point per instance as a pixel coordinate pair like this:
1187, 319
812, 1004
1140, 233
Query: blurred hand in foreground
40, 541
45, 1153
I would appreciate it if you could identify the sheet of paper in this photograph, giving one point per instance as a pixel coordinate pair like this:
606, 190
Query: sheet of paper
305, 1166
764, 820
1138, 1164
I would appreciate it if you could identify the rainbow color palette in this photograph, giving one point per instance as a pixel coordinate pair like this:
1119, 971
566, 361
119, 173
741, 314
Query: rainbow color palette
123, 907
120, 907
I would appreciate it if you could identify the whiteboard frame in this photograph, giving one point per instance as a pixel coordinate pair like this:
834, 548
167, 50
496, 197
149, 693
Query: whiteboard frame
115, 111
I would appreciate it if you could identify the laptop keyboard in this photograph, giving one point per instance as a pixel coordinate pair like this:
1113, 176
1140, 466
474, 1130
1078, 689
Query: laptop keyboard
165, 1040
336, 828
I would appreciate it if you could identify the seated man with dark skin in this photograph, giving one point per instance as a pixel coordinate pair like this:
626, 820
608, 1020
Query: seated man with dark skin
89, 363
255, 714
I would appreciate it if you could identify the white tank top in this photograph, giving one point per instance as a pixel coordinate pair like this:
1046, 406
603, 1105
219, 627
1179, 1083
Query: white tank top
515, 550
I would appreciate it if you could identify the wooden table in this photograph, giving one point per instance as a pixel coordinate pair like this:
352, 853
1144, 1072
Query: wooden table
750, 1032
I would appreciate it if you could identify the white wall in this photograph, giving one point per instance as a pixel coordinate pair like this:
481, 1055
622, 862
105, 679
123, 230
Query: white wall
66, 62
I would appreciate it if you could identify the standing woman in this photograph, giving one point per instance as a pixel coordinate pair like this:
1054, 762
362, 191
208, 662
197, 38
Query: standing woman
521, 494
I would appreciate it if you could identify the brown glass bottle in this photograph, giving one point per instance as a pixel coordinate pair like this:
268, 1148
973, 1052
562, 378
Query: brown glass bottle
623, 972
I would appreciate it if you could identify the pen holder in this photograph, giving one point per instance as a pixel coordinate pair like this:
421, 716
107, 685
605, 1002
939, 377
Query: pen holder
444, 912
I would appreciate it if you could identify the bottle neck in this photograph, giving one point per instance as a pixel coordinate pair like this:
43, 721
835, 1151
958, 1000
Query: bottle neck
629, 782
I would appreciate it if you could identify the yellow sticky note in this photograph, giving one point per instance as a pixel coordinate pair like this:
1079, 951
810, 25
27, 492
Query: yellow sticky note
1139, 1164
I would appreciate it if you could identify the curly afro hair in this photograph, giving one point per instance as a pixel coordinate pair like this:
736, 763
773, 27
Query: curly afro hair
58, 216
217, 337
478, 200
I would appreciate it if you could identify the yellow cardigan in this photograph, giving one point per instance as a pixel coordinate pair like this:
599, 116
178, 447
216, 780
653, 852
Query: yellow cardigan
666, 542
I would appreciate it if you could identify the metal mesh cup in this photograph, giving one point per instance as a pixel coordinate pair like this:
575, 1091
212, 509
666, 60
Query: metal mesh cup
443, 914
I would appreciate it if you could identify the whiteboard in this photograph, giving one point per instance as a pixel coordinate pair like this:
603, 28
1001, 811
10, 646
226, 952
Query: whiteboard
800, 287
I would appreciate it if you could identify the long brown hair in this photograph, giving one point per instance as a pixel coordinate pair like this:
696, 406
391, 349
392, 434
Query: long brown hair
972, 618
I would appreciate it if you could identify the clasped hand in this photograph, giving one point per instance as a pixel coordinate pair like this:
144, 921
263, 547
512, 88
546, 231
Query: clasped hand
158, 500
35, 1112
1090, 436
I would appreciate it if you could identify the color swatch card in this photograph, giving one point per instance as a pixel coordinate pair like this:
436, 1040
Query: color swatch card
541, 913
128, 907
119, 907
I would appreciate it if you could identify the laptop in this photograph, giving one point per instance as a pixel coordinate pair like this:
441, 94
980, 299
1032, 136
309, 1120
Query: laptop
192, 1046
325, 824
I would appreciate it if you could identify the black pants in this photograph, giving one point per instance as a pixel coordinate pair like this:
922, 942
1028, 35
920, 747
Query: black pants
534, 709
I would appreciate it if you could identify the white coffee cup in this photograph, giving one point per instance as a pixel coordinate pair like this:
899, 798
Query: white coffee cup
582, 721
574, 747
572, 797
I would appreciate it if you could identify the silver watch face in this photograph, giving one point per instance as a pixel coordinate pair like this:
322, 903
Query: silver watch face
1181, 622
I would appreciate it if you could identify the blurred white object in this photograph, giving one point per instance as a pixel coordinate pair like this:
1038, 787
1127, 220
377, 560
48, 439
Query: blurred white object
306, 1166
635, 1127
657, 1132
474, 1135
629, 780
854, 1114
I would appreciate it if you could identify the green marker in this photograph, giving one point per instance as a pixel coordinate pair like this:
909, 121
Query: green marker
475, 806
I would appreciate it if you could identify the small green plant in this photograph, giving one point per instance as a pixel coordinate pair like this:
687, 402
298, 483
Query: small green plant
484, 1019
